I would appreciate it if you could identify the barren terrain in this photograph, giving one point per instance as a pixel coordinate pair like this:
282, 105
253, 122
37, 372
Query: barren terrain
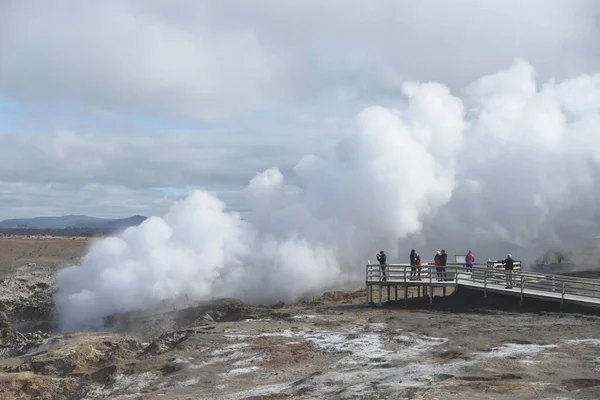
330, 347
50, 252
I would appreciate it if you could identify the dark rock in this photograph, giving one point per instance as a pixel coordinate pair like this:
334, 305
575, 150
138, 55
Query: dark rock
504, 377
4, 322
171, 367
576, 384
442, 377
451, 355
10, 338
167, 342
104, 374
279, 304
475, 378
304, 380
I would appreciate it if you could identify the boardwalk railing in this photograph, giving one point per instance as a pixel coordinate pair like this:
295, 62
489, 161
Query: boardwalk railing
482, 277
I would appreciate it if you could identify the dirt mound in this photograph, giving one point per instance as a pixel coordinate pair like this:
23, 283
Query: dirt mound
28, 294
14, 343
27, 385
342, 295
222, 310
80, 355
66, 366
149, 323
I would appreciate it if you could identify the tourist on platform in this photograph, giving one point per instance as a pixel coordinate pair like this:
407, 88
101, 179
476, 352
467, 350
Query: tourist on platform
382, 258
413, 263
419, 267
469, 260
436, 262
443, 261
509, 264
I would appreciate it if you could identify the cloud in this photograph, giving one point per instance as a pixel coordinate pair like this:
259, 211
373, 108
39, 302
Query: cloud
111, 201
200, 59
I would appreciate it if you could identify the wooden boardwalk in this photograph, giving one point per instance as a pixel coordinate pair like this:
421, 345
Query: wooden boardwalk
480, 277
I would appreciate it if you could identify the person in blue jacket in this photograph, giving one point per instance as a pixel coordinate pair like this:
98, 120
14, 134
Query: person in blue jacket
469, 260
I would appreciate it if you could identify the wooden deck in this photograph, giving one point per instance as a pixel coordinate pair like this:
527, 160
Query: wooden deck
557, 288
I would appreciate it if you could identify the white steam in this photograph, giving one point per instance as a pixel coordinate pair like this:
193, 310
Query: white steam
498, 166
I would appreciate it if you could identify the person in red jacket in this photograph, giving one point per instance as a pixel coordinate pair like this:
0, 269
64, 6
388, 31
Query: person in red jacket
437, 261
469, 260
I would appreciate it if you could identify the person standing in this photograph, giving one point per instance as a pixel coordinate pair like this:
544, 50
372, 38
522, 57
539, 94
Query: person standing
436, 262
469, 260
443, 261
413, 263
419, 267
509, 265
382, 258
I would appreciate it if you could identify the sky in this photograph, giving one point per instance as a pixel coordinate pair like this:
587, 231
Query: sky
116, 108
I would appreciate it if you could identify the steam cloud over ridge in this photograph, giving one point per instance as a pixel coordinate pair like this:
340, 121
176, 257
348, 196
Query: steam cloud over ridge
508, 163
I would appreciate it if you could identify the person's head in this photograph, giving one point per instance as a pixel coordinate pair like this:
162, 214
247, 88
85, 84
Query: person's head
469, 252
509, 256
412, 251
381, 252
418, 257
438, 253
443, 251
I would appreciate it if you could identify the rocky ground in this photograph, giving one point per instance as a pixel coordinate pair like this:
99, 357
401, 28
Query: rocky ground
330, 347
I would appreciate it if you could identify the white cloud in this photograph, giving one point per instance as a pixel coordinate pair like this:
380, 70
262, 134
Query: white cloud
221, 59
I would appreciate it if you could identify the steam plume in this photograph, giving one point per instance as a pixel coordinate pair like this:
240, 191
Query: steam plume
501, 167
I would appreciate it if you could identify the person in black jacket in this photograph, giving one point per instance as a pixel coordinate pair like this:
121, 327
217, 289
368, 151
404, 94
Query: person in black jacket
443, 261
413, 263
382, 258
509, 265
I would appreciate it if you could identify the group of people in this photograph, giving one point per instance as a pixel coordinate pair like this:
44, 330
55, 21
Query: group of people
439, 260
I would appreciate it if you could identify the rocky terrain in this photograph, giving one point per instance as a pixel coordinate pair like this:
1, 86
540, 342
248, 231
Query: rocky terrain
333, 346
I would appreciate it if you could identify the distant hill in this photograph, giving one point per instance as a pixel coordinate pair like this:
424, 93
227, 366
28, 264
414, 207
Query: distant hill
71, 222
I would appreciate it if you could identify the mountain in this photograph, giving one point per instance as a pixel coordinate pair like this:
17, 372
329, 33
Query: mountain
71, 221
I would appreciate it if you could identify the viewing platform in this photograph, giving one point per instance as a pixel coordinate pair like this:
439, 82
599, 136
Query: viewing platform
481, 277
